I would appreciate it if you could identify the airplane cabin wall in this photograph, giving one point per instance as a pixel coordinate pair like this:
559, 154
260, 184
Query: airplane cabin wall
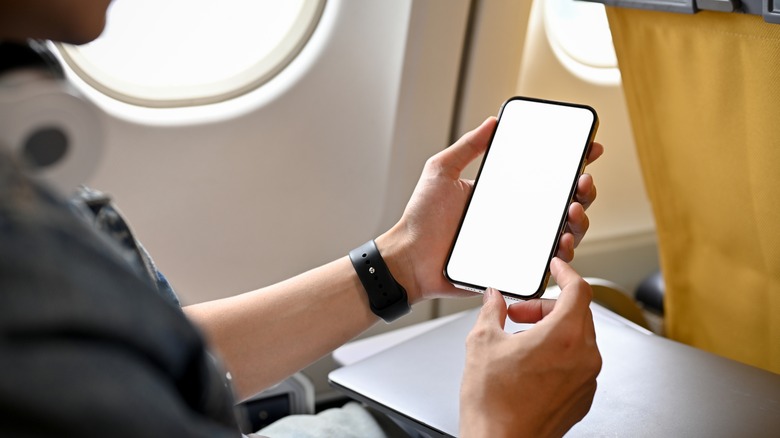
235, 196
302, 176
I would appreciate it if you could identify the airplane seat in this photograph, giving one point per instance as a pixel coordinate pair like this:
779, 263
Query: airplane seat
616, 299
293, 396
650, 293
703, 108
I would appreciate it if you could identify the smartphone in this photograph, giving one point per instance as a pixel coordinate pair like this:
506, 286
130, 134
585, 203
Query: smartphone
517, 211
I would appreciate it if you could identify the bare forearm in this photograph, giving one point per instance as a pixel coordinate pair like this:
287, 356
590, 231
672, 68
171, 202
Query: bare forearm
268, 334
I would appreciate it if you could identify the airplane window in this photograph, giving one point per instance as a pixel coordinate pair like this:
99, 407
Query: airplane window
192, 52
579, 34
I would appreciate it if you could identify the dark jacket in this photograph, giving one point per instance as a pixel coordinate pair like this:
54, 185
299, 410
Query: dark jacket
92, 340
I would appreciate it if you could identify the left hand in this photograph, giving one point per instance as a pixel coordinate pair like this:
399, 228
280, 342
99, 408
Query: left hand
416, 248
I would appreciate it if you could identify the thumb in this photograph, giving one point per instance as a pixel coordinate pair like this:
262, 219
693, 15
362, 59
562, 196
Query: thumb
455, 158
576, 294
493, 312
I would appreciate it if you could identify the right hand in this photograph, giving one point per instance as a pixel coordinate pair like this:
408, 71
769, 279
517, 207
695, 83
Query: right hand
535, 383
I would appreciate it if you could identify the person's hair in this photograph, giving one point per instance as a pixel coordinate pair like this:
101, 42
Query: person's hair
33, 53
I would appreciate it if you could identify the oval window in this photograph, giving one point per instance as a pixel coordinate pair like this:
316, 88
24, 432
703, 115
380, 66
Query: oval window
178, 53
579, 34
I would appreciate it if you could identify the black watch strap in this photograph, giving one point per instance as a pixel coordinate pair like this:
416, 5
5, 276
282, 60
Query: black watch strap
386, 297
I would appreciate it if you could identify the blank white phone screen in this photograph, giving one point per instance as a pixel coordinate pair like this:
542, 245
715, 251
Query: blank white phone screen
521, 196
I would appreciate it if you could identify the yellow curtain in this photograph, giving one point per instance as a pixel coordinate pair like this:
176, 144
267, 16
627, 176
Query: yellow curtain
703, 92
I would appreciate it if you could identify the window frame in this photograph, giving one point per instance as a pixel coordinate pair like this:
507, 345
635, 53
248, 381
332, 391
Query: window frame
237, 85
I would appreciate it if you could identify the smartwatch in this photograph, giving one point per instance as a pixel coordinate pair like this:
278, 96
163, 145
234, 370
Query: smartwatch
386, 297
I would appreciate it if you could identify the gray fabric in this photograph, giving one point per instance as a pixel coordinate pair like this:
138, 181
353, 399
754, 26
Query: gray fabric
350, 421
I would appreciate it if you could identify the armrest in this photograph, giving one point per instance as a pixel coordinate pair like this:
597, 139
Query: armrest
616, 299
293, 396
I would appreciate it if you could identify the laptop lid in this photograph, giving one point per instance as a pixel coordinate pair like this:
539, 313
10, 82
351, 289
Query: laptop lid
648, 386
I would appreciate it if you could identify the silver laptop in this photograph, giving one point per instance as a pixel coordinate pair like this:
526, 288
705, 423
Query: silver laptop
649, 386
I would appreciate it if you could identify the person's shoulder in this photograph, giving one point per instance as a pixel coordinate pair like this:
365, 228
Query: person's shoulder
86, 344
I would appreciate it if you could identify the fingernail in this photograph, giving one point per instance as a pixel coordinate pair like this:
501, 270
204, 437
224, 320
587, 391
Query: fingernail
488, 294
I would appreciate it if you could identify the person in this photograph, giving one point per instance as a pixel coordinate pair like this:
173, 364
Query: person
89, 344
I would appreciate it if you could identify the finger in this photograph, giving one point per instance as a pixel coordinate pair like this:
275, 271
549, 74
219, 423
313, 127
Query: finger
493, 312
586, 190
596, 150
454, 159
566, 247
530, 312
577, 223
575, 293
